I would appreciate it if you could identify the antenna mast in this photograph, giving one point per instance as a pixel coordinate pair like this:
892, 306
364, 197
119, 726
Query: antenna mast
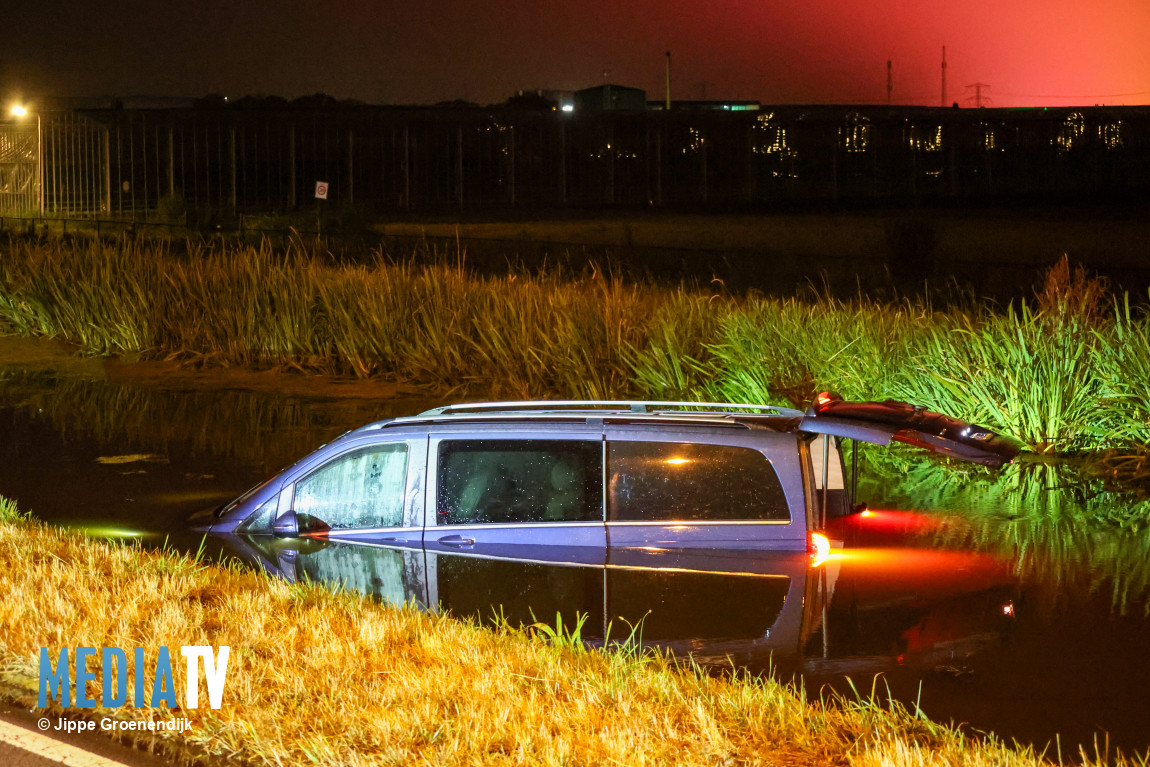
889, 82
944, 75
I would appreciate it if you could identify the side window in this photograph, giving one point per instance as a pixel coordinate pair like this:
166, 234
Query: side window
670, 481
361, 489
531, 480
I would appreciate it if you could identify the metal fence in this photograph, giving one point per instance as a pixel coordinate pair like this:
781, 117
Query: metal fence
214, 164
19, 167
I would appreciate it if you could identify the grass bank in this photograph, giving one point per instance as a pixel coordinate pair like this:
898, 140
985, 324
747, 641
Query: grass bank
1069, 371
317, 676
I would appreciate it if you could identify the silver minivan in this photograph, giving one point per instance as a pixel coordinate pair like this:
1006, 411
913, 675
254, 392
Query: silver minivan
572, 480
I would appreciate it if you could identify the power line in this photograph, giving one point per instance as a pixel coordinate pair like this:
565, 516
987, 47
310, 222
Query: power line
1079, 96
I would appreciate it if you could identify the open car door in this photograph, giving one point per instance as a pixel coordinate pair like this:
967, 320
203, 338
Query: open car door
881, 422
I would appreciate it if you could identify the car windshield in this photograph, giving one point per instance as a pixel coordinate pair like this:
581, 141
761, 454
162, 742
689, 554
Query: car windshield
247, 494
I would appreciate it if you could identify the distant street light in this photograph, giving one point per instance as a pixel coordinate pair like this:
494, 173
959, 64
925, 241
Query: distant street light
22, 111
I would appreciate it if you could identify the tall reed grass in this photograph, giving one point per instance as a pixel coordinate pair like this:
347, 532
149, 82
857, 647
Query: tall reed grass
1063, 373
326, 677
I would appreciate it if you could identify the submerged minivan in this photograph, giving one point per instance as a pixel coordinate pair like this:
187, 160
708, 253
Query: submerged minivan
570, 480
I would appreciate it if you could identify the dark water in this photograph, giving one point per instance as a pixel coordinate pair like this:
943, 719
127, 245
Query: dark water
1013, 616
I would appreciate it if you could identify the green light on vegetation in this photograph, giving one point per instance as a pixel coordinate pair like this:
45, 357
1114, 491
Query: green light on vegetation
107, 531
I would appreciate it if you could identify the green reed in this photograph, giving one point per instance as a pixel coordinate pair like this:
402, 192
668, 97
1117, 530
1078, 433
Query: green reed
1121, 362
1029, 374
783, 351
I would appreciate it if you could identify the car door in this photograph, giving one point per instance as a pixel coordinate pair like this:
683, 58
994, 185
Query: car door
527, 493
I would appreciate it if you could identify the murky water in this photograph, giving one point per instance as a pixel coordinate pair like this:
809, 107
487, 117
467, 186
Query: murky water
1014, 616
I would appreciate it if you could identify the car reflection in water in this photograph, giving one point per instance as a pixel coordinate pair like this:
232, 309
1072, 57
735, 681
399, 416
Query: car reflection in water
912, 609
720, 607
905, 607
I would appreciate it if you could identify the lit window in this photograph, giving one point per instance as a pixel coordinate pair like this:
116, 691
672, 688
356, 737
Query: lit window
770, 138
1111, 135
1070, 132
925, 138
695, 141
855, 135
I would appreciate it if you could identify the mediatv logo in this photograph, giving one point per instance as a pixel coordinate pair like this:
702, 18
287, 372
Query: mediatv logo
56, 681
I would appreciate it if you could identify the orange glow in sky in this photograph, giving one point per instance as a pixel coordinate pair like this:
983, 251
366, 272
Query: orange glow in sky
1030, 52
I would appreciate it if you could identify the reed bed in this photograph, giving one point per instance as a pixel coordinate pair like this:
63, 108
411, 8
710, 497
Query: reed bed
318, 676
1066, 372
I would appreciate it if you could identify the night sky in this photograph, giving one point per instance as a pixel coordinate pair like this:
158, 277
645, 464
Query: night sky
1030, 52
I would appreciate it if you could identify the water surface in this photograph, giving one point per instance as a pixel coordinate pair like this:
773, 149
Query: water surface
987, 600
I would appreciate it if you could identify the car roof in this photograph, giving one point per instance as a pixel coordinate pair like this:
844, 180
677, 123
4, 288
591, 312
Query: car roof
875, 422
649, 412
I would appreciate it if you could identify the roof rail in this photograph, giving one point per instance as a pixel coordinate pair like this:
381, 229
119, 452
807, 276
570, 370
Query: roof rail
611, 406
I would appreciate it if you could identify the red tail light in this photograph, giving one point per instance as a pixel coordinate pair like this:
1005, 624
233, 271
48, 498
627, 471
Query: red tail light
825, 398
819, 548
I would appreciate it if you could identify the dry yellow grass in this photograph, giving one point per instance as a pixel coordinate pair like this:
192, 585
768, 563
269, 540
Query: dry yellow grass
333, 678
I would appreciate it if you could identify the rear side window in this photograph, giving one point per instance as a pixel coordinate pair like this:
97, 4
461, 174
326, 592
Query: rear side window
672, 481
362, 489
532, 480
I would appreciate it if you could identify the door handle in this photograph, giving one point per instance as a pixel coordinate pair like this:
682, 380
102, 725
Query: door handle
457, 541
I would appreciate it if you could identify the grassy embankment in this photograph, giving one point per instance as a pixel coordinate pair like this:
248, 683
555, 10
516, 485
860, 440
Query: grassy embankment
326, 677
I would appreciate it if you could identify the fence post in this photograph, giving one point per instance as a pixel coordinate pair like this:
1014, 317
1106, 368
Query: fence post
459, 165
291, 166
232, 153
